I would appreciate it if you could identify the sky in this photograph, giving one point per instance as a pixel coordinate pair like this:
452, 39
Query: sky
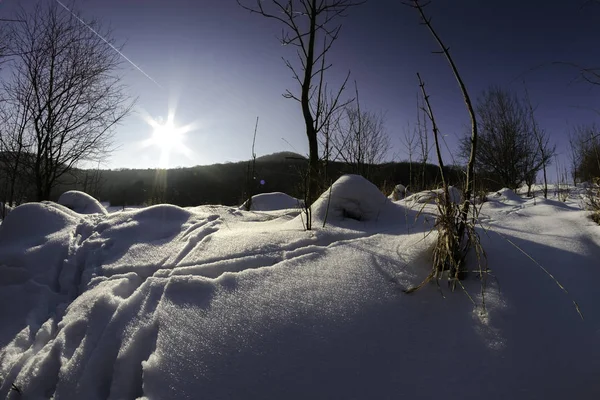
220, 67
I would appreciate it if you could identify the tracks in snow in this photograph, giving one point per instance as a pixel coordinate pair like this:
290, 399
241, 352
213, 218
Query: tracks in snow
115, 276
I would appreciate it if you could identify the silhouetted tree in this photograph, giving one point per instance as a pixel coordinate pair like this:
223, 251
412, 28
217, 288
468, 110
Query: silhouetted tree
545, 150
15, 144
509, 148
251, 175
408, 141
360, 138
309, 26
65, 86
453, 224
585, 150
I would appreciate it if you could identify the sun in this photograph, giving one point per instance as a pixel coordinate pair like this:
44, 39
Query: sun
169, 138
166, 136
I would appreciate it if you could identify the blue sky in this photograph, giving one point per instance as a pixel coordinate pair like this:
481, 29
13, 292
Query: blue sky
221, 67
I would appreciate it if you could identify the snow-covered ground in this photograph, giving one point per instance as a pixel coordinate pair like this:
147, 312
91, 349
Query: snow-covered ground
219, 303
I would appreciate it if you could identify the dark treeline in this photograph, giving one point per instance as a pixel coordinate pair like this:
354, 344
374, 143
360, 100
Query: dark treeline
227, 183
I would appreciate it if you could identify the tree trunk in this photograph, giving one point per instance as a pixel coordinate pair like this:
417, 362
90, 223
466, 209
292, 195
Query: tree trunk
313, 144
313, 167
545, 183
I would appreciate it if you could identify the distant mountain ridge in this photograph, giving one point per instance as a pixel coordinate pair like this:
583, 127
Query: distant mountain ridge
281, 156
224, 183
227, 183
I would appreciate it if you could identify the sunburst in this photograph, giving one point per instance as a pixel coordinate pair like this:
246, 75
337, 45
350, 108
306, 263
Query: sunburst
168, 137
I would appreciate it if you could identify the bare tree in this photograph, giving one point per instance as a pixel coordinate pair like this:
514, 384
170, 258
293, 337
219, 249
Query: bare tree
4, 40
545, 151
309, 26
325, 139
15, 144
410, 137
445, 50
509, 148
585, 150
70, 68
575, 156
424, 147
92, 181
251, 172
456, 234
360, 138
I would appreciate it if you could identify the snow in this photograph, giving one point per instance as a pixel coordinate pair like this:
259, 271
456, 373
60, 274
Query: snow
216, 302
508, 197
350, 197
431, 196
273, 201
81, 202
398, 193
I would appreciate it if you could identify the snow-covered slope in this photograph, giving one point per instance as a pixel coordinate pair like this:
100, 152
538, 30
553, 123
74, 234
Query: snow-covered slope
218, 303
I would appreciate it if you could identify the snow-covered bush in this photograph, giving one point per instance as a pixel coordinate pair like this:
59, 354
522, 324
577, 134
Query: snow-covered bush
273, 201
81, 202
592, 200
431, 196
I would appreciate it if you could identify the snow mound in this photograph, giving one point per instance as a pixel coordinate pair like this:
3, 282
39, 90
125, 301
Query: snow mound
351, 196
35, 219
161, 212
35, 239
273, 201
81, 202
508, 196
430, 196
398, 193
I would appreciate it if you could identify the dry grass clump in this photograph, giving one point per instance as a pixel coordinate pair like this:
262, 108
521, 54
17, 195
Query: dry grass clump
450, 249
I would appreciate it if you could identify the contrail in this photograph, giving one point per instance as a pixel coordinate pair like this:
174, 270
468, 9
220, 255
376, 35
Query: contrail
108, 43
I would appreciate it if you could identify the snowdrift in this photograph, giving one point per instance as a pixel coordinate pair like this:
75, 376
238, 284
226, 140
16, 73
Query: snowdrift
81, 202
273, 201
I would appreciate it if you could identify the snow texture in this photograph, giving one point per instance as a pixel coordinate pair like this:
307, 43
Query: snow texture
219, 303
81, 202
